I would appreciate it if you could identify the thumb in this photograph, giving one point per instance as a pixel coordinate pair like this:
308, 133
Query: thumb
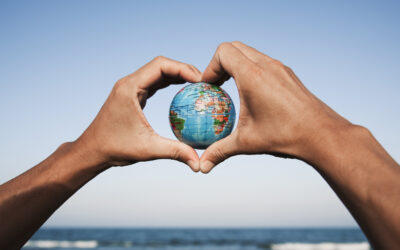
218, 152
165, 148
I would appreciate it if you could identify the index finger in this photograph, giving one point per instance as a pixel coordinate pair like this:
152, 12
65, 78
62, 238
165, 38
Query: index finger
227, 61
162, 71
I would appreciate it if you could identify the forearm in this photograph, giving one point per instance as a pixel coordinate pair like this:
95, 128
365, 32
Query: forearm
365, 178
119, 135
28, 200
279, 116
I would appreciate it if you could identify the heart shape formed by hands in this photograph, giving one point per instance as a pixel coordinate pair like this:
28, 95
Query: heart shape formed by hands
278, 115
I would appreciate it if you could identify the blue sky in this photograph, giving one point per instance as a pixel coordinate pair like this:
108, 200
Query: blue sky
60, 59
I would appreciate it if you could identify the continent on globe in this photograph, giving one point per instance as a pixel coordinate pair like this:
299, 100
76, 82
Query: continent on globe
177, 124
201, 113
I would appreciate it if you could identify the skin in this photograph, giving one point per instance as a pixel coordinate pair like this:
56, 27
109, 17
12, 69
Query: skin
279, 116
118, 136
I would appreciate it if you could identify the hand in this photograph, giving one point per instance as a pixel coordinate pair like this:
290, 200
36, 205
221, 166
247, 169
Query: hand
278, 115
120, 134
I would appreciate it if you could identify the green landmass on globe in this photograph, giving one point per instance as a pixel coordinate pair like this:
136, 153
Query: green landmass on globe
201, 113
177, 124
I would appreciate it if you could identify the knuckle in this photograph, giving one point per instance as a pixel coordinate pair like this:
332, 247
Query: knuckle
176, 154
288, 69
237, 43
223, 46
219, 155
120, 87
119, 84
277, 64
191, 67
159, 59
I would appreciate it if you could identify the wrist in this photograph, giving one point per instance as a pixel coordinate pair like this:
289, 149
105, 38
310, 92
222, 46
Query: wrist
88, 157
73, 164
332, 139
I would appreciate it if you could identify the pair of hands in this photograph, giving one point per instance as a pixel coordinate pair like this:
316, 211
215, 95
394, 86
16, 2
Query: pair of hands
278, 115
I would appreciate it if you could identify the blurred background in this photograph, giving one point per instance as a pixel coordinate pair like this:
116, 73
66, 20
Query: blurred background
60, 59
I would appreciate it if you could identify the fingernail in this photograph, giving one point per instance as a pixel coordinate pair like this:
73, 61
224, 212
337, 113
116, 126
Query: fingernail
206, 166
194, 165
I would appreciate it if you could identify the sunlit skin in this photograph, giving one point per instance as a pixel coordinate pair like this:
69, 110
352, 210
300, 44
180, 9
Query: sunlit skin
118, 136
278, 116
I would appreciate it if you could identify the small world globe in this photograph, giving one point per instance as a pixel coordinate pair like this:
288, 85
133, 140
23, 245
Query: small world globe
200, 114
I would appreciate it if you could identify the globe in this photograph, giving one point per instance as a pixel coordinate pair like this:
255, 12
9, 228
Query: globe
200, 114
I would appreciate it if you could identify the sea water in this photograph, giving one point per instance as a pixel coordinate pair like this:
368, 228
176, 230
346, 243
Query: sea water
199, 238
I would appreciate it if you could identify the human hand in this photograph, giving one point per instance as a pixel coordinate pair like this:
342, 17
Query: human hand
278, 115
120, 134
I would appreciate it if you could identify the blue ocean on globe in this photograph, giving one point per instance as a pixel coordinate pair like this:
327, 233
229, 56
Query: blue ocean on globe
201, 113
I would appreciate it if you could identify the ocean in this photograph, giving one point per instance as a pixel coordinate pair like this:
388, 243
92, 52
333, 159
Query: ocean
199, 238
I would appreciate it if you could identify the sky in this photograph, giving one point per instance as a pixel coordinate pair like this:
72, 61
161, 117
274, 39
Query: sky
60, 59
